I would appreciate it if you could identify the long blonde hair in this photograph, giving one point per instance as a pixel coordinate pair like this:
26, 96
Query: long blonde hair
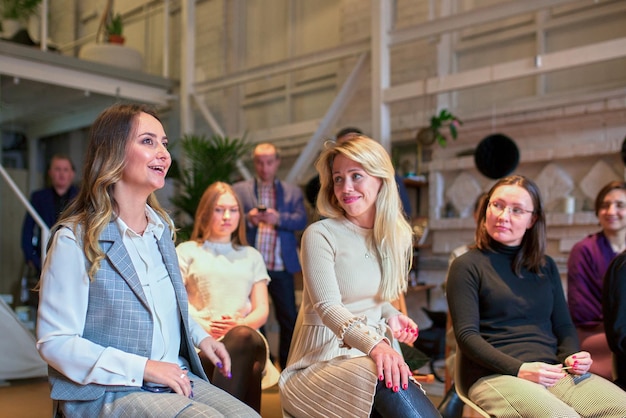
392, 234
94, 206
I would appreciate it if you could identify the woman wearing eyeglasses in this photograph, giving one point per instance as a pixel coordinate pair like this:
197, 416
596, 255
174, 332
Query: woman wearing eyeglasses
587, 263
520, 353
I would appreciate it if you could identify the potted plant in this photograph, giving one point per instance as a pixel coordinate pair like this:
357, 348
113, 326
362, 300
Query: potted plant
206, 160
14, 14
438, 122
109, 45
114, 30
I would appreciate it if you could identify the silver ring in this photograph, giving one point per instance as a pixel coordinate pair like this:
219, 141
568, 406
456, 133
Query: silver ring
182, 376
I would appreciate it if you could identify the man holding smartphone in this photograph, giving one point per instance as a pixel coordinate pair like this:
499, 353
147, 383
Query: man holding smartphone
275, 211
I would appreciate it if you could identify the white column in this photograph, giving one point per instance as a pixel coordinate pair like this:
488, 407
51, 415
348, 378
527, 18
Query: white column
381, 26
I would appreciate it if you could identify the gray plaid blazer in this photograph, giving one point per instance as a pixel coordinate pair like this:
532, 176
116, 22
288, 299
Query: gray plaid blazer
116, 297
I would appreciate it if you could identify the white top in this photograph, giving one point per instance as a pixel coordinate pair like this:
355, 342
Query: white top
219, 278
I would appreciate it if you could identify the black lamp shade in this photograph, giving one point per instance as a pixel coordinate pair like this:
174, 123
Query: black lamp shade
496, 156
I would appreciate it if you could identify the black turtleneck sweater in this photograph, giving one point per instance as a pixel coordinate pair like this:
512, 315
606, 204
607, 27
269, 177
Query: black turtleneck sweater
501, 320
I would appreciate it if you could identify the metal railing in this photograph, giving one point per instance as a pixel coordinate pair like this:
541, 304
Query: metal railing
45, 231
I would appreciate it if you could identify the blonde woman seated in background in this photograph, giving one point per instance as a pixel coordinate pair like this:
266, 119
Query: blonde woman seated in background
226, 282
342, 362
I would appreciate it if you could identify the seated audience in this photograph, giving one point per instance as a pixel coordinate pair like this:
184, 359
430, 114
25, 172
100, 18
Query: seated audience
519, 351
113, 320
614, 307
586, 266
226, 283
355, 262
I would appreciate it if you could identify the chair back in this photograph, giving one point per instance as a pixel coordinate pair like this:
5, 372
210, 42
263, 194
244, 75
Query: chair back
461, 390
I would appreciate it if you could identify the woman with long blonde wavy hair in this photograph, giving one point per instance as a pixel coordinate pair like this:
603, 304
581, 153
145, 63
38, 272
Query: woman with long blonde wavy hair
355, 262
113, 320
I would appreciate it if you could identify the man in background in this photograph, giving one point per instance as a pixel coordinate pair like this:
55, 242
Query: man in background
49, 203
274, 213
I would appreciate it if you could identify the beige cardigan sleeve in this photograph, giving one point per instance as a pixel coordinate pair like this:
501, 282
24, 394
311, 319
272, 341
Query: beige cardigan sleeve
320, 249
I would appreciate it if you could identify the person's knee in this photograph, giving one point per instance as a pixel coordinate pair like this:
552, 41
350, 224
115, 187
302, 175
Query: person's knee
244, 339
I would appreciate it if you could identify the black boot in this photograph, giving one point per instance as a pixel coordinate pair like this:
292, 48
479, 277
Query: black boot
451, 406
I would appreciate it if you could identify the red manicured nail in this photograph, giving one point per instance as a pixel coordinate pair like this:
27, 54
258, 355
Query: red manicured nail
388, 385
573, 356
381, 377
395, 388
405, 386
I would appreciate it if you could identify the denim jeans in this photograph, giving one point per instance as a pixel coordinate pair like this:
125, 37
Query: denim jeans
408, 403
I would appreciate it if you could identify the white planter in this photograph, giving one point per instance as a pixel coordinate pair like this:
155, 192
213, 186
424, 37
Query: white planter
112, 54
10, 27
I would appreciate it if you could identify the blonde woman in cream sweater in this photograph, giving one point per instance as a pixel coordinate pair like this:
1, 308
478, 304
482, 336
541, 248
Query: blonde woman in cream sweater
355, 262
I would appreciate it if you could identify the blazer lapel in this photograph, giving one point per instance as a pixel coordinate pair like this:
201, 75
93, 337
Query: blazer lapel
113, 246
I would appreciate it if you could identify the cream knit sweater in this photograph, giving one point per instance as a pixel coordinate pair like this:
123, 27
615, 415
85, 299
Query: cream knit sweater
341, 319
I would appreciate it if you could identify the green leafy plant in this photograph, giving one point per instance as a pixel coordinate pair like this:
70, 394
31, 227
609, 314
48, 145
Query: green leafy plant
18, 9
115, 26
206, 160
442, 120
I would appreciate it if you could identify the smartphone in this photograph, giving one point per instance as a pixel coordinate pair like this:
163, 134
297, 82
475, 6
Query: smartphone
261, 208
157, 388
580, 377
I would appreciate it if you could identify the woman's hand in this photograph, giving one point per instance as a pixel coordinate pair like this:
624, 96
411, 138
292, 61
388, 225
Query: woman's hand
403, 328
579, 362
219, 327
390, 366
168, 374
216, 352
543, 373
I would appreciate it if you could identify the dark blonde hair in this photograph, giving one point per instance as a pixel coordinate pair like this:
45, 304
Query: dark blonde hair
206, 208
533, 251
95, 206
392, 234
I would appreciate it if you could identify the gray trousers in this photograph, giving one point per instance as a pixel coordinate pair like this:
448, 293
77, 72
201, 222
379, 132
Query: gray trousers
208, 401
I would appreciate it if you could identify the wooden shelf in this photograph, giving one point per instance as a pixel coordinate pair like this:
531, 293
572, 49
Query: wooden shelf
412, 183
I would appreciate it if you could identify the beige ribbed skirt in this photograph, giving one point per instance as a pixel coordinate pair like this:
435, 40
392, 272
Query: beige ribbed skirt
342, 387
